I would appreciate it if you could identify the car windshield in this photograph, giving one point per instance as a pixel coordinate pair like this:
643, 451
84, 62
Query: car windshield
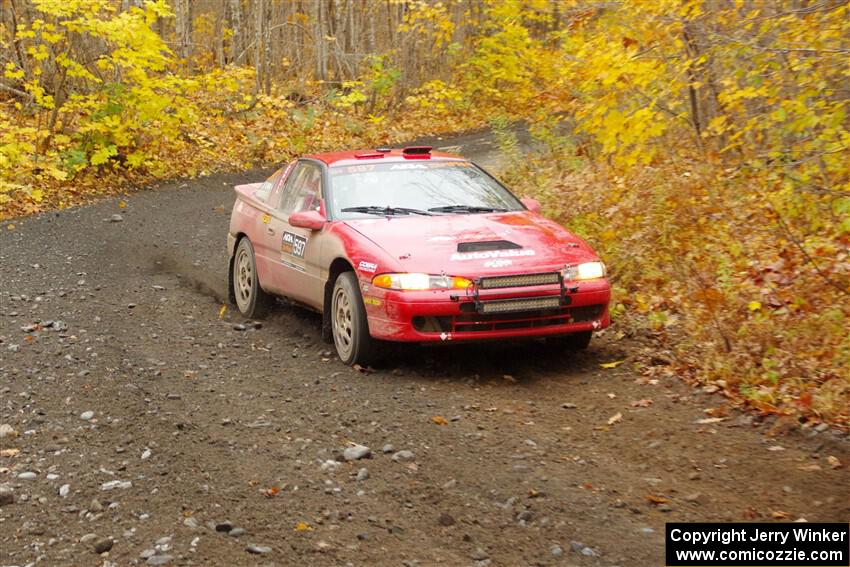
416, 188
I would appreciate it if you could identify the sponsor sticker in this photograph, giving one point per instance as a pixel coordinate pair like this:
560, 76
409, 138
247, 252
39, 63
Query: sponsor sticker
404, 166
266, 219
293, 266
367, 266
353, 169
500, 263
293, 244
491, 254
371, 300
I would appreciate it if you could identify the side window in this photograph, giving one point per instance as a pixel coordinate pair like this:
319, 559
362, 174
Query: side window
277, 190
303, 189
266, 188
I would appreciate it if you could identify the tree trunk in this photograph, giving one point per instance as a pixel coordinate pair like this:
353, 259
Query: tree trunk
267, 42
235, 8
319, 40
259, 51
183, 13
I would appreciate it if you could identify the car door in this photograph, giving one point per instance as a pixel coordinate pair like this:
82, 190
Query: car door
299, 249
260, 237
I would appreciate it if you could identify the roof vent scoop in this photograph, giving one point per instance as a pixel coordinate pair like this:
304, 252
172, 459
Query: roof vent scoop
368, 155
417, 150
487, 245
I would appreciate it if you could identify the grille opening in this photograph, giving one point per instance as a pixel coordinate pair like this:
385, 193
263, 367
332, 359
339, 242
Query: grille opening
471, 322
432, 324
586, 313
487, 245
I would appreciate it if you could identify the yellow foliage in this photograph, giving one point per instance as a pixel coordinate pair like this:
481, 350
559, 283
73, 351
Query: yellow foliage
701, 146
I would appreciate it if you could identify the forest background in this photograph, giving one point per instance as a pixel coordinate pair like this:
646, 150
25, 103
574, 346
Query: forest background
700, 146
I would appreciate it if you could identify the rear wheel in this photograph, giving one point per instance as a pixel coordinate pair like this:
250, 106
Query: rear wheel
250, 298
349, 326
573, 341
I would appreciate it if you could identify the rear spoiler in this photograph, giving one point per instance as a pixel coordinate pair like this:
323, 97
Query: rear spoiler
247, 189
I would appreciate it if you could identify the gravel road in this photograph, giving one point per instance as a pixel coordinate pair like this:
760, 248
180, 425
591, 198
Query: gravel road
141, 425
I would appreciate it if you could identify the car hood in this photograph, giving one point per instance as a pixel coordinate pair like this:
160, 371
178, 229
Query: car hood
475, 244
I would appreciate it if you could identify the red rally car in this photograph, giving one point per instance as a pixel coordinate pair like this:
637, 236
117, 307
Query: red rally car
410, 245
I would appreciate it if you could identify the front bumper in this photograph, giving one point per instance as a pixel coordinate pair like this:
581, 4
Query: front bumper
451, 315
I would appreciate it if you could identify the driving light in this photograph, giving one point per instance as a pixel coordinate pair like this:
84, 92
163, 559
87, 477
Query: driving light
585, 271
412, 281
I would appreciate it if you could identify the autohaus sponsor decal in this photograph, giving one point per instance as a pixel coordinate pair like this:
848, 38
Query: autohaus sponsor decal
491, 254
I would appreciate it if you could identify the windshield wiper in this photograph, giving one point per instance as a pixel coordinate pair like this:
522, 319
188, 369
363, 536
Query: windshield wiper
384, 211
466, 209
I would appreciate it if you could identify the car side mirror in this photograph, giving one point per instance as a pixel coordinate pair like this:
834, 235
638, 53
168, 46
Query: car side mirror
311, 220
532, 205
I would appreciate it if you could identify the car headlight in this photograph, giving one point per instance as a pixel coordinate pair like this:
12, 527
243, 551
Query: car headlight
585, 271
412, 281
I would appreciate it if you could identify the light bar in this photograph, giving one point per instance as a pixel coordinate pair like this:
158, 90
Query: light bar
520, 280
515, 305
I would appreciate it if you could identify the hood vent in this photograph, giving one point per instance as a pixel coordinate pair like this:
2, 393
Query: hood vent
487, 245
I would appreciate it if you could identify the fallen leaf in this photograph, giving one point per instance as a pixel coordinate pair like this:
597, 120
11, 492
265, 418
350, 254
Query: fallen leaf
776, 448
614, 364
615, 418
222, 311
361, 369
9, 452
122, 204
779, 515
611, 395
834, 462
532, 493
754, 305
10, 226
708, 420
722, 411
644, 403
303, 527
812, 467
271, 492
509, 378
656, 500
440, 420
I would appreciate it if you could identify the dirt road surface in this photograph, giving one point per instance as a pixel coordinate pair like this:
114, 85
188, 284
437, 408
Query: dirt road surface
140, 425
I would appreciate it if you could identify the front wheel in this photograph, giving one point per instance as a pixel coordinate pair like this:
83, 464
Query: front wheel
354, 344
250, 298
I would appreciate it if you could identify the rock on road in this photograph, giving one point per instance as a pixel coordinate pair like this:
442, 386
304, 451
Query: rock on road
138, 426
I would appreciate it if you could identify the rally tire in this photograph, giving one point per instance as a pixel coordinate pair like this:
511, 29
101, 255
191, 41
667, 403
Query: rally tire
249, 297
349, 326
